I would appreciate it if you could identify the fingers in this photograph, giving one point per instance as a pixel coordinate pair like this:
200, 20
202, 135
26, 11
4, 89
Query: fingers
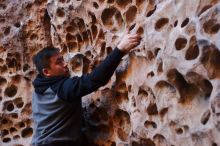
131, 36
133, 44
136, 39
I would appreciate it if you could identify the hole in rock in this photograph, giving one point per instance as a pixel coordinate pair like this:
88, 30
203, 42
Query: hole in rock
101, 1
25, 67
3, 68
130, 14
175, 23
79, 38
33, 37
5, 121
110, 1
180, 43
150, 74
81, 24
122, 134
10, 107
95, 5
60, 12
4, 132
150, 55
163, 111
107, 15
12, 62
69, 37
16, 78
149, 124
206, 87
28, 122
101, 35
14, 115
192, 52
119, 18
6, 139
152, 109
122, 118
2, 20
12, 130
132, 26
94, 31
204, 9
203, 84
85, 36
211, 26
109, 50
139, 2
18, 102
146, 142
140, 31
179, 130
93, 17
102, 131
11, 90
123, 3
163, 87
62, 1
158, 138
121, 87
205, 117
210, 58
70, 29
27, 132
2, 81
100, 114
160, 67
17, 24
156, 51
16, 137
7, 30
113, 144
186, 90
3, 6
151, 12
161, 23
73, 47
26, 109
215, 28
142, 92
21, 124
1, 50
185, 22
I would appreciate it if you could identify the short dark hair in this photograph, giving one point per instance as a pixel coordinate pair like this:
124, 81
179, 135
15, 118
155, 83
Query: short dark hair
42, 58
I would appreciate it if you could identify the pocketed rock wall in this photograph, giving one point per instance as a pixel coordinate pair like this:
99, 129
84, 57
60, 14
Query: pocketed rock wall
164, 93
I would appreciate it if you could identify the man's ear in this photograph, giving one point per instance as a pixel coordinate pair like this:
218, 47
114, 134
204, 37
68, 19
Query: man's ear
46, 72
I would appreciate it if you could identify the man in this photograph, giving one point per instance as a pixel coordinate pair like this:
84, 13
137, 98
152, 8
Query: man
56, 101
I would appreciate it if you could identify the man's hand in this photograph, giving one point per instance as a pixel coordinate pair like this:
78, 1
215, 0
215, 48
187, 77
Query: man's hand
128, 42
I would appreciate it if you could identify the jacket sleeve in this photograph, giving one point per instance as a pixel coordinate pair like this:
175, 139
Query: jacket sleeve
74, 88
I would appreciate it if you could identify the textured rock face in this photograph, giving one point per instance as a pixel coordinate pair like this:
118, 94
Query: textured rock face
165, 92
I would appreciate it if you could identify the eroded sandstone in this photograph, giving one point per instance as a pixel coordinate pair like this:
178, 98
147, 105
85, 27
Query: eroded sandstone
165, 92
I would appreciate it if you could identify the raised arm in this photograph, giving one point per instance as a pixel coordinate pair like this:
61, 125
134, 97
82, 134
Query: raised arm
74, 88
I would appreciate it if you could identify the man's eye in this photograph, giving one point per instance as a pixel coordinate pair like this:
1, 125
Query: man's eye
59, 61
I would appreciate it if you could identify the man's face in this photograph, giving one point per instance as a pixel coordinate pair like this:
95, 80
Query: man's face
58, 67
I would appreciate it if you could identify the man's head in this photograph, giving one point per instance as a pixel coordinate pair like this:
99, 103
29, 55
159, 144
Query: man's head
50, 63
